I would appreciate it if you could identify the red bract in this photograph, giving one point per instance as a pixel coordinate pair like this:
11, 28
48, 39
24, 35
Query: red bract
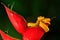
19, 23
5, 36
34, 33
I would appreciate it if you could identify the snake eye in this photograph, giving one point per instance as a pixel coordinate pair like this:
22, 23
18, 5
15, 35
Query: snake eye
46, 20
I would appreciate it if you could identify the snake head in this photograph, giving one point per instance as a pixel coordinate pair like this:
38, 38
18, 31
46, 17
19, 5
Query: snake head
44, 23
41, 22
43, 19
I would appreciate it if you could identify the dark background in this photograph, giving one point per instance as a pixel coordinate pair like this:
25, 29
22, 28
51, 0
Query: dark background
30, 10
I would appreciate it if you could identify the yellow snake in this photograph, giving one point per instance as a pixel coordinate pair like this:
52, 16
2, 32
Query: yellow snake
41, 23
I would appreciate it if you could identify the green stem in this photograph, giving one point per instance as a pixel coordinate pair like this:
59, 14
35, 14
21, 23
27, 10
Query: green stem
12, 5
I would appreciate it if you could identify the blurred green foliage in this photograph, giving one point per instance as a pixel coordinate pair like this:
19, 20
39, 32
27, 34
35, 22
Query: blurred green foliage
30, 10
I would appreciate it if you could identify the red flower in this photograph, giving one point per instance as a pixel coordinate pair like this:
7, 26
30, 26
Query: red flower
5, 36
34, 32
